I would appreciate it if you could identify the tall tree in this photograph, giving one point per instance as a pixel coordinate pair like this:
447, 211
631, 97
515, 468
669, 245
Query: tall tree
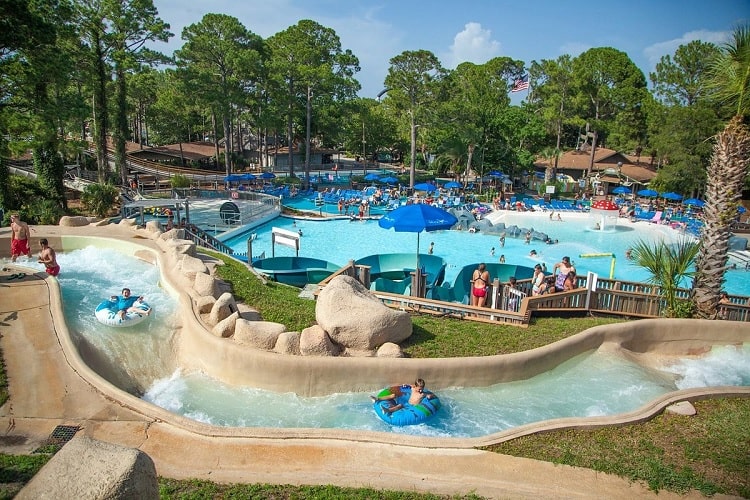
309, 60
37, 75
682, 118
552, 82
730, 84
133, 23
413, 80
218, 55
610, 92
475, 98
682, 79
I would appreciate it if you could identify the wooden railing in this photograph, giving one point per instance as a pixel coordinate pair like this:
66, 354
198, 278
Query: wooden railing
612, 297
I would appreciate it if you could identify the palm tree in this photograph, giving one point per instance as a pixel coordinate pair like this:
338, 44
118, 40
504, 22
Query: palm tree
668, 265
730, 82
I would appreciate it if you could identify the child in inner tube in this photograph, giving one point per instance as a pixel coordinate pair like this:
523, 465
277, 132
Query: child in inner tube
417, 395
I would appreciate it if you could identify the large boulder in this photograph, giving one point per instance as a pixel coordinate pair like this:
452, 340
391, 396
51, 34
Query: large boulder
87, 468
354, 318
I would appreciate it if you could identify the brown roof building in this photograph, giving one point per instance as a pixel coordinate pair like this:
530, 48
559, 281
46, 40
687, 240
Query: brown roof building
609, 166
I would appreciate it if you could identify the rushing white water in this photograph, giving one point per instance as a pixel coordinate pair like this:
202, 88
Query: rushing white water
593, 384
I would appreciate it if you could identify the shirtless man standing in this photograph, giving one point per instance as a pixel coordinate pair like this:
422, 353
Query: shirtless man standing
48, 258
19, 238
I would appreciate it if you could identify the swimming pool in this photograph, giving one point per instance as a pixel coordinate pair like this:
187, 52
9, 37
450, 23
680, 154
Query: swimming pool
339, 241
592, 384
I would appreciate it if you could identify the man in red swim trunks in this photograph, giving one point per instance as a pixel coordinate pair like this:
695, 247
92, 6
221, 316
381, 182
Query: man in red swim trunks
48, 258
19, 238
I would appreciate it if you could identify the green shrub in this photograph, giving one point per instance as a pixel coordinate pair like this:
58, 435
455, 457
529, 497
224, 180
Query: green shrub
100, 198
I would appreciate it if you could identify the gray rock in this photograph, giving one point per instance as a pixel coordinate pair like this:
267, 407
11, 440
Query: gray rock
224, 307
258, 334
225, 328
287, 343
91, 469
390, 350
204, 304
206, 285
354, 318
314, 341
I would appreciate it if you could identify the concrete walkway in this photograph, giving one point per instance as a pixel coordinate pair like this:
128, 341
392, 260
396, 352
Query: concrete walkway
48, 390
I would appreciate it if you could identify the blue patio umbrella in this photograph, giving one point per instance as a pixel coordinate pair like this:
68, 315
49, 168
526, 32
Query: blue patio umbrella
232, 178
649, 193
372, 177
452, 185
417, 218
671, 196
693, 201
247, 177
425, 186
495, 173
621, 190
267, 175
389, 180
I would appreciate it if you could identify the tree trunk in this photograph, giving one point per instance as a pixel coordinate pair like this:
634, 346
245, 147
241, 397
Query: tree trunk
308, 121
289, 125
413, 150
726, 175
100, 111
121, 129
216, 138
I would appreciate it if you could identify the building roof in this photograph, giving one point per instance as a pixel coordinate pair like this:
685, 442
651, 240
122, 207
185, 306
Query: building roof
190, 150
605, 164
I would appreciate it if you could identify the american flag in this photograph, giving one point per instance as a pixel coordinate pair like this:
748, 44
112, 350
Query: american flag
521, 83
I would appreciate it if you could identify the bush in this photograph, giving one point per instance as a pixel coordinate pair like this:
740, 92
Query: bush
100, 199
180, 181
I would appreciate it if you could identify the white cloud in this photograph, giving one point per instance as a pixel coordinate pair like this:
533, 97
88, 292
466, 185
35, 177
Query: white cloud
654, 53
473, 44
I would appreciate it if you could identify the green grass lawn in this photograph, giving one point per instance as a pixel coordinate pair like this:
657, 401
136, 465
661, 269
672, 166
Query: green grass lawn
708, 452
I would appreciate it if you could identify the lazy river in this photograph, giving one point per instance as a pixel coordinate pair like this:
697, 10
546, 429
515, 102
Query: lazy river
593, 384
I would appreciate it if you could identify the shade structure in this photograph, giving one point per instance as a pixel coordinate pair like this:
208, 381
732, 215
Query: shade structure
417, 218
267, 175
452, 185
233, 178
247, 176
495, 173
372, 177
649, 193
425, 186
693, 201
621, 190
389, 179
671, 196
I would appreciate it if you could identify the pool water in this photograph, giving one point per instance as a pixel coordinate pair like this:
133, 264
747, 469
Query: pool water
594, 384
339, 241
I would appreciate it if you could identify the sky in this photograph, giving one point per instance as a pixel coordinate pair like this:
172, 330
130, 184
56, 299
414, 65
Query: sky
478, 30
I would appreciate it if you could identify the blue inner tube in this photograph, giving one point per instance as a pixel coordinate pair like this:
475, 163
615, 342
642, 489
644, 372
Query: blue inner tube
106, 313
409, 414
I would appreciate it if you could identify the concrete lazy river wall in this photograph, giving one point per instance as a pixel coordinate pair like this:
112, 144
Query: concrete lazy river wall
221, 358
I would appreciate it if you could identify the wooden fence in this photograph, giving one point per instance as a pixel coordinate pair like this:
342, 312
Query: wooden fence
612, 297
